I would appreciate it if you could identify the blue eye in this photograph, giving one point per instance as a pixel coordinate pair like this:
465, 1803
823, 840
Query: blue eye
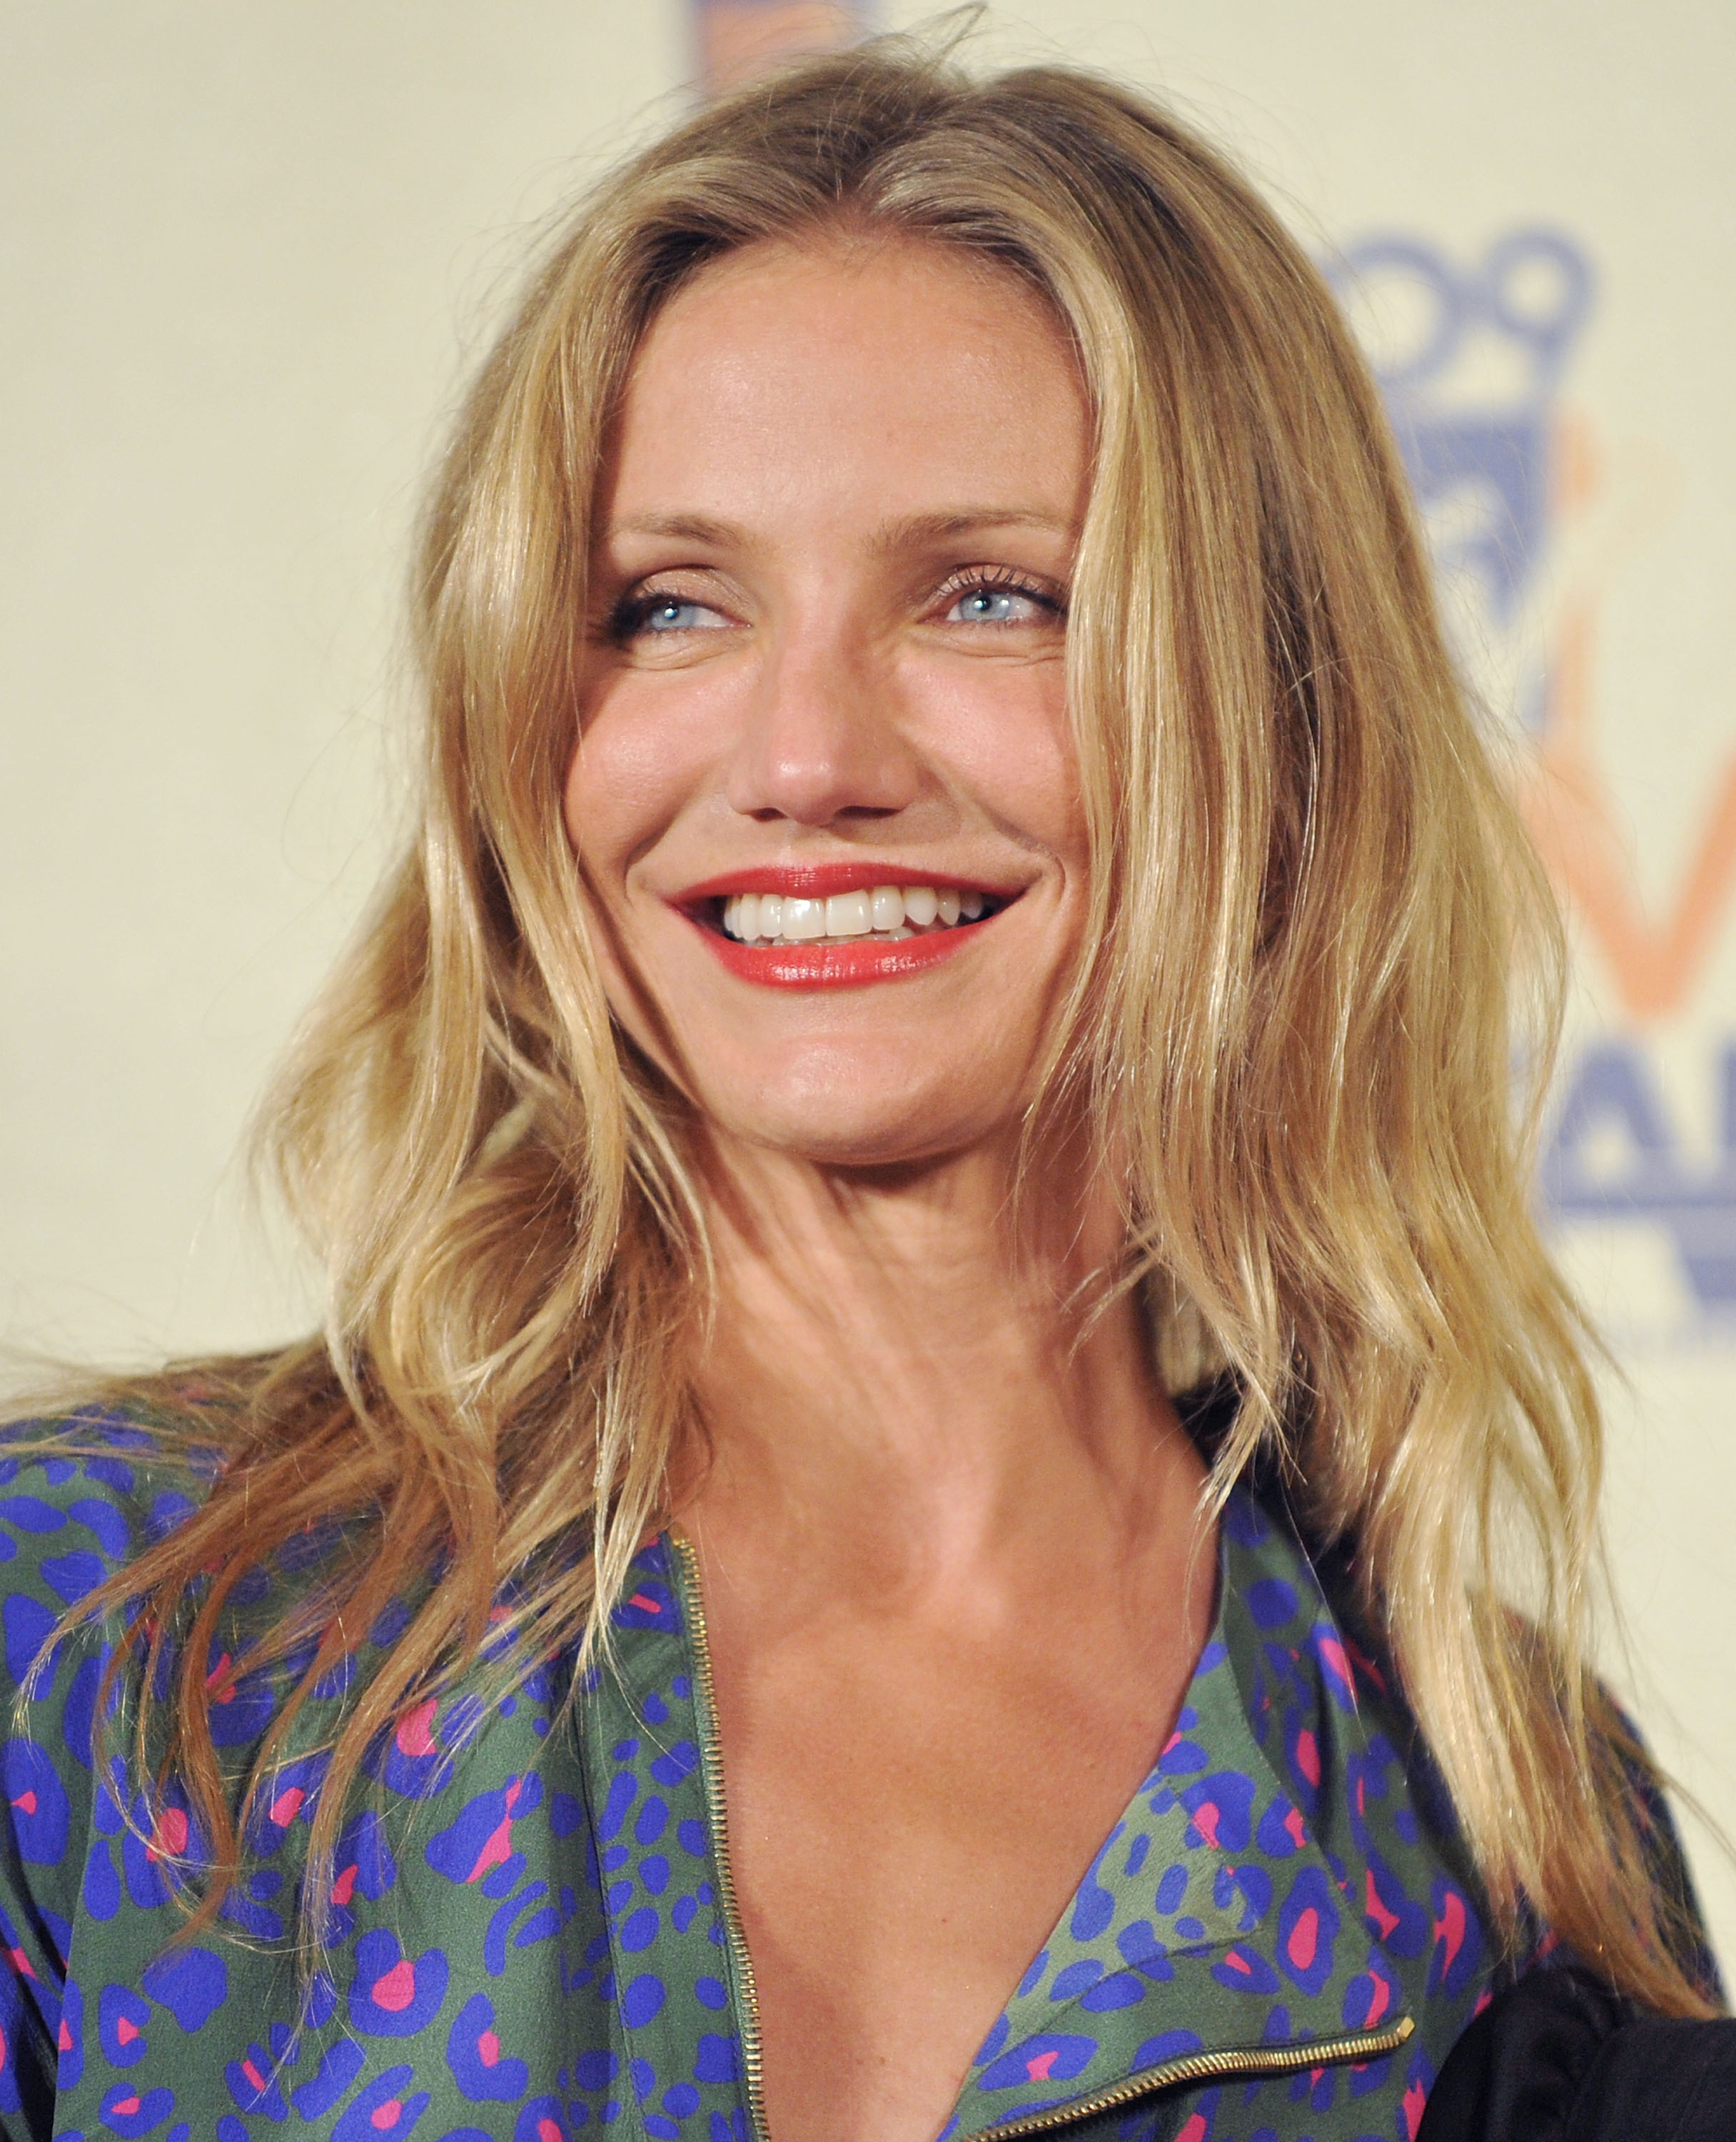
993, 605
671, 613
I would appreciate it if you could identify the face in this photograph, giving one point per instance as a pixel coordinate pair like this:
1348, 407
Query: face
825, 799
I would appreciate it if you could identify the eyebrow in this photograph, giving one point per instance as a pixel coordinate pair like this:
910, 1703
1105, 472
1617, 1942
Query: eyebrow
891, 536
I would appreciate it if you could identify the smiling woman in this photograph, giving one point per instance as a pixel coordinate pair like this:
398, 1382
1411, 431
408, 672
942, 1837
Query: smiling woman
835, 540
945, 1491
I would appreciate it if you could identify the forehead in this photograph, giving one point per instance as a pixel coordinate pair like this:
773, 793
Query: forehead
884, 374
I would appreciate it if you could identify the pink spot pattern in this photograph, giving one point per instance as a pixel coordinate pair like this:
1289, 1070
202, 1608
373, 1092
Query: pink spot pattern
548, 1946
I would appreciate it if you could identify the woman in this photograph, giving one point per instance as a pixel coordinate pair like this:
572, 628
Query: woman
923, 1218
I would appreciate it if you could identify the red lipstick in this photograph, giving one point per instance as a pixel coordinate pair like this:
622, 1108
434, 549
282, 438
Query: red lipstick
836, 962
819, 880
840, 965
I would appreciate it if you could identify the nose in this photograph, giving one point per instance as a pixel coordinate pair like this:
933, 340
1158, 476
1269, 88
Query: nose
820, 739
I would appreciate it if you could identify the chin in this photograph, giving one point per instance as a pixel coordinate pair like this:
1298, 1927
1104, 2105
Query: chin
890, 1127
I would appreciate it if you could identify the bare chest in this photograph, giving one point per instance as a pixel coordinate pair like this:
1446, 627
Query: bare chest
909, 1815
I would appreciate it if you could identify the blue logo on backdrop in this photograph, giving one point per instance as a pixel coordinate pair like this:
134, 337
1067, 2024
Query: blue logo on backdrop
1528, 296
1471, 356
1615, 1155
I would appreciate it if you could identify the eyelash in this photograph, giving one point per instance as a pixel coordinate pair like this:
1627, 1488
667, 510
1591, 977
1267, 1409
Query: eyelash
1000, 581
629, 615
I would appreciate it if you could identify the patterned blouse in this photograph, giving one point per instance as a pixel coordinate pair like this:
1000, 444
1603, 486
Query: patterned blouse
532, 1929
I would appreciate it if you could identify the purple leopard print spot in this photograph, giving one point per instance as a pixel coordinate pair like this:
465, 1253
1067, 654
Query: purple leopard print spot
392, 1995
482, 2070
127, 2112
481, 1838
121, 2020
38, 1802
1047, 2057
1308, 1924
386, 2107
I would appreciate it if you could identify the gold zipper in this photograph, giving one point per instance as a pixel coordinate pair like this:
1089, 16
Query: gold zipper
1206, 2067
711, 1771
1188, 2067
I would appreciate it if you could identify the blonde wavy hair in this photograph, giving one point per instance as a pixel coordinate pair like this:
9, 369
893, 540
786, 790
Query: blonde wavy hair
1311, 896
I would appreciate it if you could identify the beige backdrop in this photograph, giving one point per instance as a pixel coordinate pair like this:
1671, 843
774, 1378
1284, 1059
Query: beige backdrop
248, 256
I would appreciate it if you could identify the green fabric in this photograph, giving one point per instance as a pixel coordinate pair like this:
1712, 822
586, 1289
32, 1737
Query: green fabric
527, 1939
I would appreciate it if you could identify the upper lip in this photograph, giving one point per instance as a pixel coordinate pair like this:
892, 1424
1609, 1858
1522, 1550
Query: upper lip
816, 881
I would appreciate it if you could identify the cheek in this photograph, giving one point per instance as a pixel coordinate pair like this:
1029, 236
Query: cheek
1004, 730
627, 779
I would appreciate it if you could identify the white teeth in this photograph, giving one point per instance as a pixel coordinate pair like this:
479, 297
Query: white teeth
848, 915
891, 912
803, 919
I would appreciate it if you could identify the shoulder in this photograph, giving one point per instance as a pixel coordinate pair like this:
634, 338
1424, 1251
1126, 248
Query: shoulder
82, 1493
1328, 1705
1559, 2057
1355, 1780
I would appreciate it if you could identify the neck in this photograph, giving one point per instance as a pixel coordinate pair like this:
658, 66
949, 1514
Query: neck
923, 1366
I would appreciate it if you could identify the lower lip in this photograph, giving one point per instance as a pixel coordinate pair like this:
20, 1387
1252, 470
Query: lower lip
785, 966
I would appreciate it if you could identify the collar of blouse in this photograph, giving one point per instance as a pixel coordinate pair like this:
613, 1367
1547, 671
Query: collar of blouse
1271, 1904
532, 1928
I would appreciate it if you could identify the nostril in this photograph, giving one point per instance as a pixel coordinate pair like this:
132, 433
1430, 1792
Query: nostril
849, 814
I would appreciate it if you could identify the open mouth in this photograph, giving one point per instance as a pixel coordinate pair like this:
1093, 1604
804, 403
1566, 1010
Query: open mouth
890, 914
831, 924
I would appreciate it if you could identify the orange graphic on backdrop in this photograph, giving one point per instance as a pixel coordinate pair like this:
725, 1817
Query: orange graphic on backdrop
1579, 827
